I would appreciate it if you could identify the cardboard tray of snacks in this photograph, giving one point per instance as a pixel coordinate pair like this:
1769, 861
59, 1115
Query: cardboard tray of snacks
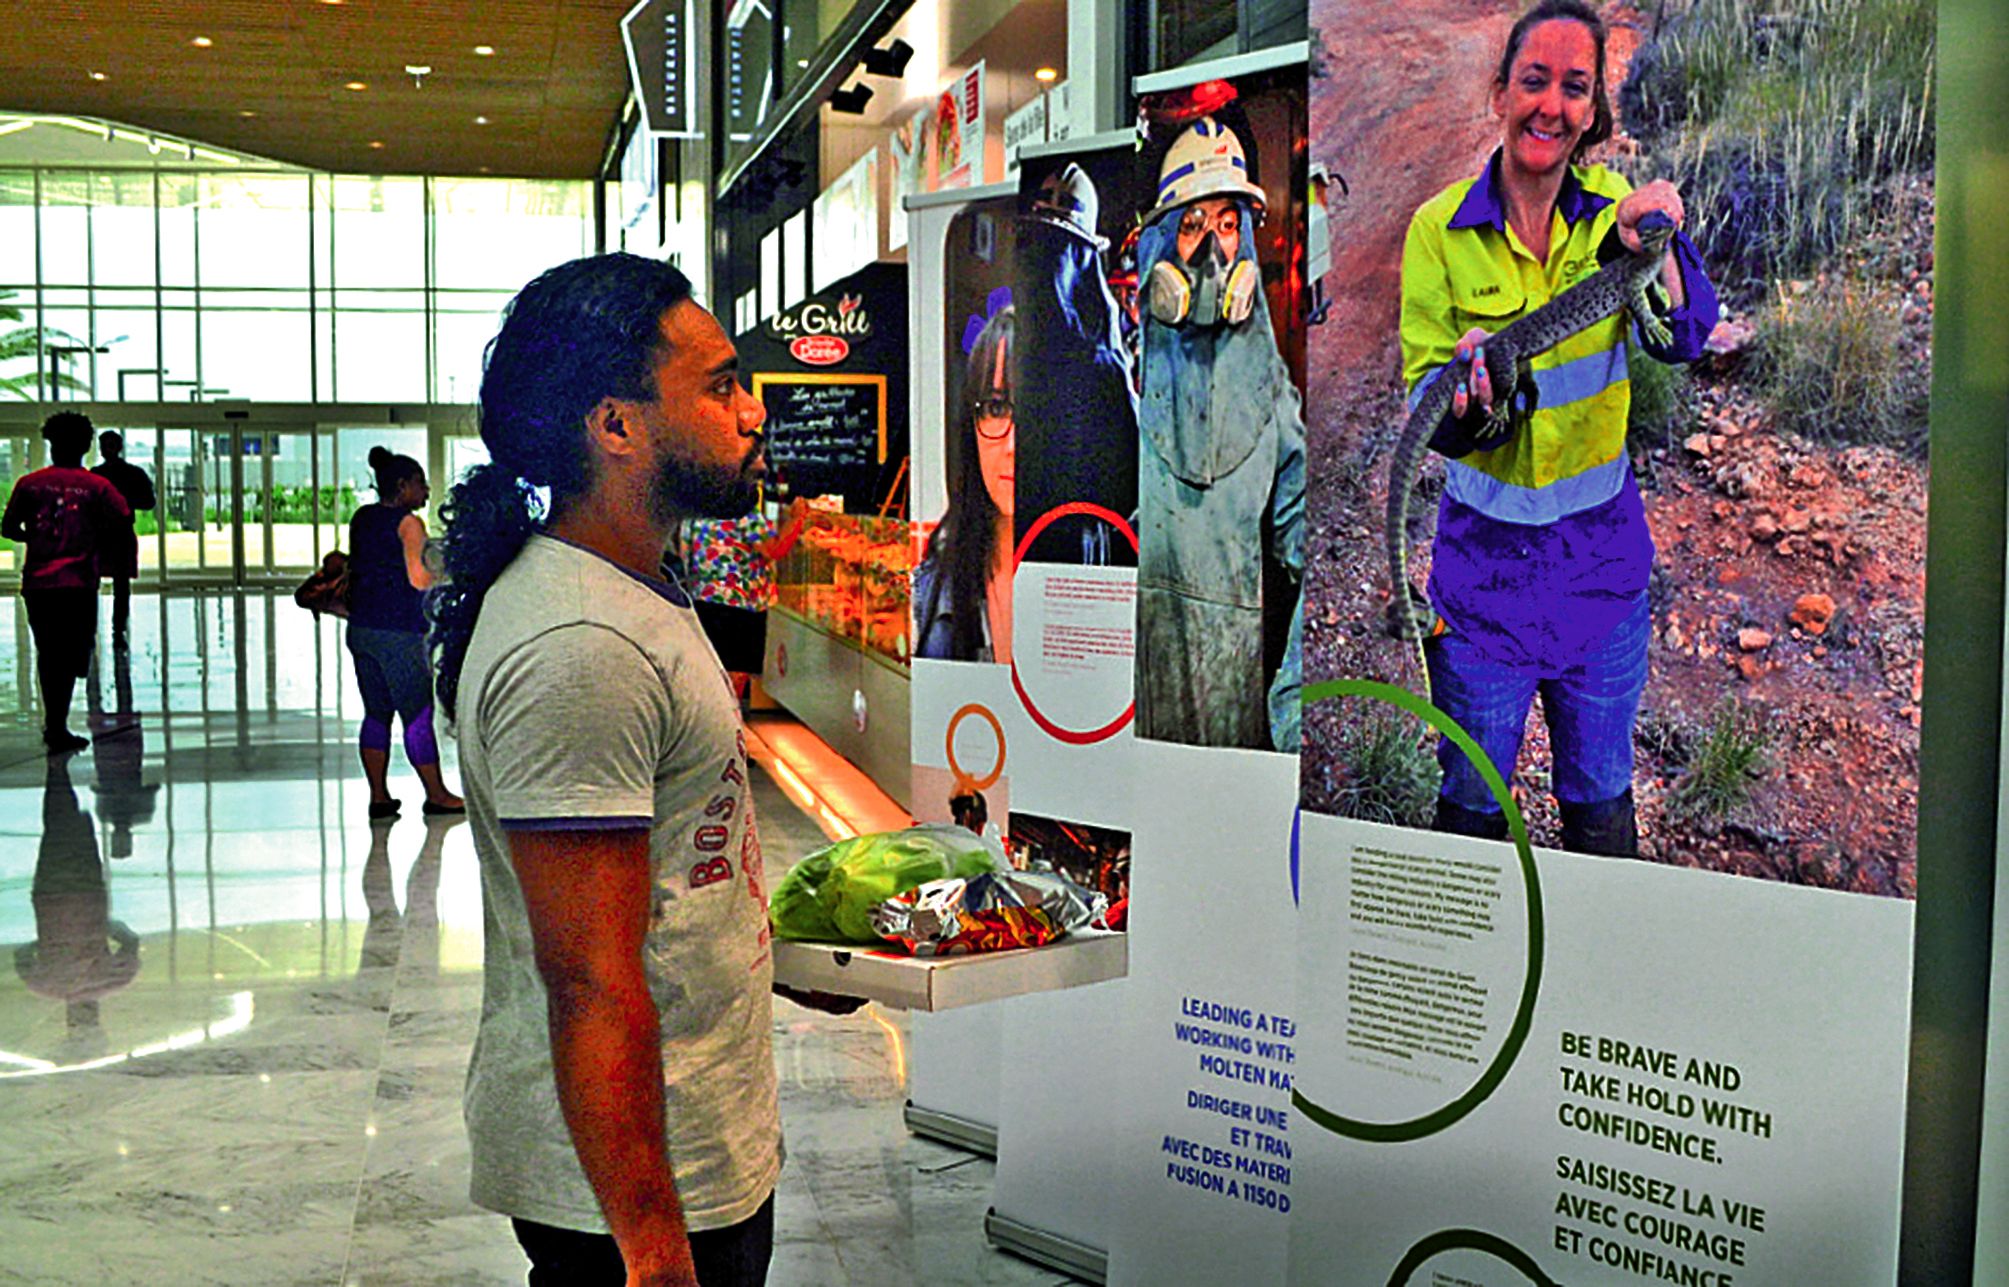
902, 982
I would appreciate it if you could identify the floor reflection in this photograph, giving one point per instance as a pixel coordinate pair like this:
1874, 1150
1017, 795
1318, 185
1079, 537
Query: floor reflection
80, 954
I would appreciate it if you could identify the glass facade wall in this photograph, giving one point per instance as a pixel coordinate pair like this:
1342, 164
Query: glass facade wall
170, 286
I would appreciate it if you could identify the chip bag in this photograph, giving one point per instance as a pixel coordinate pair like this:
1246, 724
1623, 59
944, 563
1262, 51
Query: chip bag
989, 913
828, 897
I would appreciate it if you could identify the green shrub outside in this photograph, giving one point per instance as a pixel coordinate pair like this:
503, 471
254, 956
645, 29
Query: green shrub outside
293, 505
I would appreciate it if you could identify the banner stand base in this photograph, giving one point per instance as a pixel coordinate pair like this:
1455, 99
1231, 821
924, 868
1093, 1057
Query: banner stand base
947, 1128
1090, 1264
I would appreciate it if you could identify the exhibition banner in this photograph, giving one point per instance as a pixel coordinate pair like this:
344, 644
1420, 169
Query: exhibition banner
1073, 463
1219, 323
959, 698
1020, 696
1205, 1190
1618, 419
1212, 282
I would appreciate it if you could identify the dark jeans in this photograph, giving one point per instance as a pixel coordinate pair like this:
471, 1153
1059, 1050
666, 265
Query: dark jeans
735, 1256
122, 605
1591, 708
64, 624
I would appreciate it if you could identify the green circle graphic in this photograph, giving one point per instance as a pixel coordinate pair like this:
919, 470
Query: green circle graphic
1524, 1015
1469, 1240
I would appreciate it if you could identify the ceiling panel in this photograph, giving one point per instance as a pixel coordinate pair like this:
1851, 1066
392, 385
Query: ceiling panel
272, 82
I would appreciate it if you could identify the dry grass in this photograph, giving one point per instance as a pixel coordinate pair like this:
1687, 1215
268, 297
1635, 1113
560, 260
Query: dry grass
1780, 120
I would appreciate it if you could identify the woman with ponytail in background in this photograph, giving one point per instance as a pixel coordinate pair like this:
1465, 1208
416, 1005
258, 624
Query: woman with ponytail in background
387, 624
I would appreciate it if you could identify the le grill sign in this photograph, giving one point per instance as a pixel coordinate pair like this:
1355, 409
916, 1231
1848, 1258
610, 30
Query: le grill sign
820, 332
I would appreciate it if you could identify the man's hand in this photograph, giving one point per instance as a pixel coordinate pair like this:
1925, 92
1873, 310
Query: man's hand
827, 1002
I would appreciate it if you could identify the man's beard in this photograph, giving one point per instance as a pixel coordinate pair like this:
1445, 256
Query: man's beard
684, 490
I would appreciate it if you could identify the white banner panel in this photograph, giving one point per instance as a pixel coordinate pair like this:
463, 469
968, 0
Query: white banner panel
1204, 1130
1616, 1072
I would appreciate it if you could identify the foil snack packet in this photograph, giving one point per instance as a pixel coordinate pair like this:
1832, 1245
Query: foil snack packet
992, 912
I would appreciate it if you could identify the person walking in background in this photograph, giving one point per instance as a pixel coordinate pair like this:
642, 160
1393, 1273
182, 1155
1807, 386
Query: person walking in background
729, 563
387, 632
121, 559
66, 515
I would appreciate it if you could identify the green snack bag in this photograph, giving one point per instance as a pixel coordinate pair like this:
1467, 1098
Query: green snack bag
796, 911
829, 895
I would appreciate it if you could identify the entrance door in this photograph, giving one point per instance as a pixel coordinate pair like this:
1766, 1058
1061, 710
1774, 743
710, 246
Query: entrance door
193, 536
283, 503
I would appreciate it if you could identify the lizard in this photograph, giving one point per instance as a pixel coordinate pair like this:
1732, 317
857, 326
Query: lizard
1623, 283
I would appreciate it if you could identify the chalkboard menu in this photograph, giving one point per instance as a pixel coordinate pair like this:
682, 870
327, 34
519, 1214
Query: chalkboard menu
832, 372
826, 432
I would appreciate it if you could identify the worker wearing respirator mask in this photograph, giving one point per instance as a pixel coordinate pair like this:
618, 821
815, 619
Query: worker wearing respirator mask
1222, 438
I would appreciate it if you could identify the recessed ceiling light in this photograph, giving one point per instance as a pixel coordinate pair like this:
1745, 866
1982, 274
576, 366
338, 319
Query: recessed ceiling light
97, 75
355, 85
202, 42
484, 50
247, 113
377, 143
481, 120
1046, 75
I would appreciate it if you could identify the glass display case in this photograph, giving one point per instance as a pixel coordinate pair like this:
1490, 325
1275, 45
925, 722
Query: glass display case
849, 575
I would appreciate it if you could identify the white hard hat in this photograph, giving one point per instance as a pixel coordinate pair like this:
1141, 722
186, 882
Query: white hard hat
1205, 161
1067, 199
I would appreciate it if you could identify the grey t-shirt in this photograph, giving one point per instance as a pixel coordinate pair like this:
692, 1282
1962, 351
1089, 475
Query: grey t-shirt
588, 699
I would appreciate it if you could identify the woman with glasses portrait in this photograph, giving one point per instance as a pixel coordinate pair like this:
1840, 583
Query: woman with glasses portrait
962, 587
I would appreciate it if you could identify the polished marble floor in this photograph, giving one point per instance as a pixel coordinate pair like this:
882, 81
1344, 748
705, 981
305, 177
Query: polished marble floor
232, 1043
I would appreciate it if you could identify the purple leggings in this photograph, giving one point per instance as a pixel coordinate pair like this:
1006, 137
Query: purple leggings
421, 747
393, 679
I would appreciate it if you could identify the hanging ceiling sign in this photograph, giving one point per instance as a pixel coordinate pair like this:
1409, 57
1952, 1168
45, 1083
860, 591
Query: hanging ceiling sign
661, 39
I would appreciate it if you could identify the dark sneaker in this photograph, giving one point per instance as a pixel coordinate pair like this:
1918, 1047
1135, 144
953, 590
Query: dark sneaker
61, 741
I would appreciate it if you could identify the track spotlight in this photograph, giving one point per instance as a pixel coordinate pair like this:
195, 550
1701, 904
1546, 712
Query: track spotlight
851, 101
890, 61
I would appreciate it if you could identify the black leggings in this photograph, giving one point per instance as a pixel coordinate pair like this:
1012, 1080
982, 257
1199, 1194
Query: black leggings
64, 624
735, 1256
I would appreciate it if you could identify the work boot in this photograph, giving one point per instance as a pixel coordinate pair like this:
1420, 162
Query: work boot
1606, 827
1457, 820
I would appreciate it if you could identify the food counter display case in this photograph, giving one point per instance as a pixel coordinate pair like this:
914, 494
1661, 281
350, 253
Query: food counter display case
838, 641
849, 575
